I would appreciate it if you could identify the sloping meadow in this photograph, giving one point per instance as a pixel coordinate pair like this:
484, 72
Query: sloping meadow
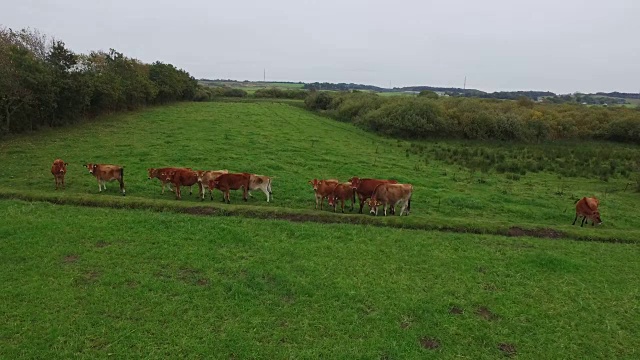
473, 184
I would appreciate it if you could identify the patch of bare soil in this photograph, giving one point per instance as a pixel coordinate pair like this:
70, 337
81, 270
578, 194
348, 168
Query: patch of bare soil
489, 287
202, 282
429, 343
70, 258
486, 314
192, 276
199, 210
539, 233
456, 310
507, 349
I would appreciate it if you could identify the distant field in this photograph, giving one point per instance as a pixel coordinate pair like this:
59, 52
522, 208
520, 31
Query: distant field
253, 86
97, 283
295, 146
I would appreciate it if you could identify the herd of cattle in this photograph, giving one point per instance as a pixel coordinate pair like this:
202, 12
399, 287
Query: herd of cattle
373, 192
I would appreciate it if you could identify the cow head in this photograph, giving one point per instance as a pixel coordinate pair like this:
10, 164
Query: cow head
595, 218
91, 167
152, 173
373, 204
61, 167
200, 175
355, 182
168, 175
332, 200
315, 183
214, 184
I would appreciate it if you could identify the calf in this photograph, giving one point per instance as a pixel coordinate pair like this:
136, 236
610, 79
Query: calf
588, 209
391, 194
342, 192
365, 187
226, 182
161, 174
322, 189
106, 172
58, 170
204, 177
261, 182
182, 177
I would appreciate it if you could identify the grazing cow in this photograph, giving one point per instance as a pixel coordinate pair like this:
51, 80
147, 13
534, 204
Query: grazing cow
365, 187
588, 209
322, 189
226, 182
58, 170
161, 174
342, 192
182, 177
391, 194
106, 172
204, 177
261, 182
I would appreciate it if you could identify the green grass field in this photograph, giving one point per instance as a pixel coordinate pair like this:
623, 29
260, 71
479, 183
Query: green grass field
91, 283
294, 145
134, 276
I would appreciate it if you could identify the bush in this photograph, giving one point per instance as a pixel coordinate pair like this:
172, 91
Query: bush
478, 119
318, 100
276, 93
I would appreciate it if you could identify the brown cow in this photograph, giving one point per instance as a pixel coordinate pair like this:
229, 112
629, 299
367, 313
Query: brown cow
322, 189
204, 177
365, 187
226, 182
182, 177
58, 170
342, 192
161, 174
391, 194
106, 172
261, 182
588, 209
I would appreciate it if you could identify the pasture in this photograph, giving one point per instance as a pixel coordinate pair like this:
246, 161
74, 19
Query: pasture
295, 146
97, 282
106, 275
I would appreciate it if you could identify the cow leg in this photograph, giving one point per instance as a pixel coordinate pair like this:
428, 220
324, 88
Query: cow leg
99, 186
583, 219
361, 198
178, 194
342, 203
227, 195
576, 219
403, 208
245, 191
122, 190
264, 190
270, 196
163, 183
190, 191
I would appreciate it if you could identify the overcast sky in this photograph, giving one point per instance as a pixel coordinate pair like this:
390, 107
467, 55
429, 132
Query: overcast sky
562, 46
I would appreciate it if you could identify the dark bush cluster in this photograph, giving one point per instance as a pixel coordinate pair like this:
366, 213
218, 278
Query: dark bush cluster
43, 83
592, 160
275, 93
477, 119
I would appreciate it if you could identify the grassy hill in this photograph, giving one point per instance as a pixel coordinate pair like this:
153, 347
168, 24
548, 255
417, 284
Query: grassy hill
149, 276
295, 146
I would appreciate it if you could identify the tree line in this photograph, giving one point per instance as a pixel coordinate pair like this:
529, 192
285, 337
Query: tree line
523, 120
44, 83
